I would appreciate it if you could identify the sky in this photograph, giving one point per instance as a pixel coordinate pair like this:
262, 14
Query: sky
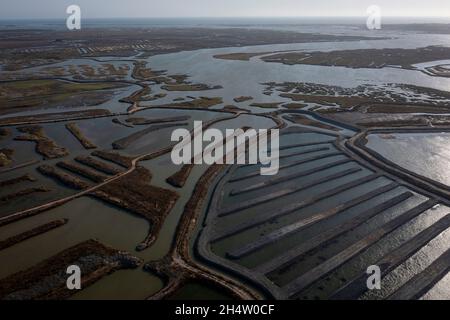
50, 9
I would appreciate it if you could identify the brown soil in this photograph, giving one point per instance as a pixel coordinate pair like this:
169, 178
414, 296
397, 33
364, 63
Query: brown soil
181, 250
154, 97
142, 73
269, 105
242, 99
342, 101
121, 41
66, 179
239, 56
120, 122
294, 105
35, 94
85, 172
234, 109
97, 165
134, 193
6, 156
189, 87
146, 121
73, 128
9, 242
143, 94
10, 182
375, 93
103, 71
309, 122
178, 179
363, 58
392, 108
177, 268
397, 123
367, 99
22, 193
53, 117
114, 157
47, 279
128, 140
372, 120
200, 103
4, 132
44, 145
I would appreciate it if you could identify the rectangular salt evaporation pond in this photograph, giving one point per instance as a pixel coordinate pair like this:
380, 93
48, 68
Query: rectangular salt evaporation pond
55, 189
440, 291
307, 233
103, 131
17, 204
161, 138
24, 151
301, 234
427, 154
88, 219
346, 240
416, 264
111, 104
291, 143
358, 265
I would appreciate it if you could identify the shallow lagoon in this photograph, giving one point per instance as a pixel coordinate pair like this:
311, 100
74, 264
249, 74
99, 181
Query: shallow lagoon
88, 217
427, 154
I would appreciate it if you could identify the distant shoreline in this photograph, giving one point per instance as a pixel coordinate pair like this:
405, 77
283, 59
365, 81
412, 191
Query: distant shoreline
12, 23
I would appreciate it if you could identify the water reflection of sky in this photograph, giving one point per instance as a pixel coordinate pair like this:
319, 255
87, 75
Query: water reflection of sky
245, 77
425, 154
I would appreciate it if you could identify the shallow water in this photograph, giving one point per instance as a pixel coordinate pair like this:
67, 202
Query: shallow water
202, 67
90, 218
427, 154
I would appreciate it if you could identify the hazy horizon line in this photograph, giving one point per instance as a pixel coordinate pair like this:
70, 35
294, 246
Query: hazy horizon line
230, 17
